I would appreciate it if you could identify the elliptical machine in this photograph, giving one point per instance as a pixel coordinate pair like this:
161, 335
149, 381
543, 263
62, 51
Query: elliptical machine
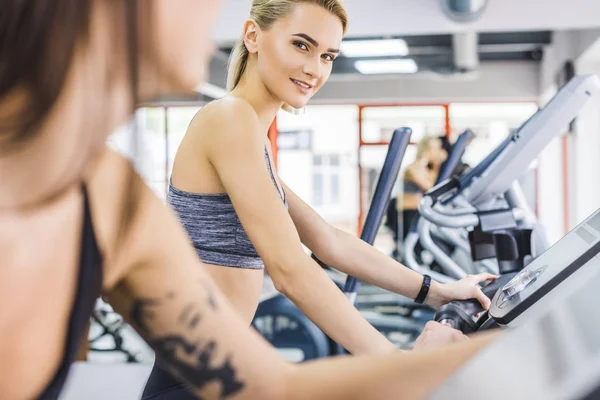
377, 299
421, 232
488, 201
552, 349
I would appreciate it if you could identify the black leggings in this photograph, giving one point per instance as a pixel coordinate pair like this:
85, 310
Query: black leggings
162, 386
391, 216
408, 217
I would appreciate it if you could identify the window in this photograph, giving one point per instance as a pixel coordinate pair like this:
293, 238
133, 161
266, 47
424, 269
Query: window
379, 123
178, 120
318, 189
143, 141
491, 123
154, 145
326, 180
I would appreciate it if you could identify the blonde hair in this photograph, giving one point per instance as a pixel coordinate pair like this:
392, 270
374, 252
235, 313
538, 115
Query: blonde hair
265, 13
424, 144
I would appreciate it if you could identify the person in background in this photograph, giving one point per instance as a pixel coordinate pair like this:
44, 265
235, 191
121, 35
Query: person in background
419, 177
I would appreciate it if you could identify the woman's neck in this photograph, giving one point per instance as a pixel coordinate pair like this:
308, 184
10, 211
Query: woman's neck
252, 89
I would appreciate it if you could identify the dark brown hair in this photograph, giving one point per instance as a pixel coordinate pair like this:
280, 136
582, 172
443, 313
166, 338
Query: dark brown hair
38, 40
37, 43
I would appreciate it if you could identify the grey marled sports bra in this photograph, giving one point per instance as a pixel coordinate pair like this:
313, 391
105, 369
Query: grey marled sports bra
214, 227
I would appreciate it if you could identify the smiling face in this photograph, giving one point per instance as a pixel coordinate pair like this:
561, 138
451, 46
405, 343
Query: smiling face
295, 55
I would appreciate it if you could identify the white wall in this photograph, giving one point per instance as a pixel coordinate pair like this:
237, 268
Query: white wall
585, 142
585, 190
582, 146
550, 190
550, 182
566, 46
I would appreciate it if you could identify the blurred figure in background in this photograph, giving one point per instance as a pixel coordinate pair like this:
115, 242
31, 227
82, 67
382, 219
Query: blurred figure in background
419, 177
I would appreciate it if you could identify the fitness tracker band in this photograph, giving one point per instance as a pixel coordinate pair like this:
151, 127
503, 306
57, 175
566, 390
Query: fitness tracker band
424, 289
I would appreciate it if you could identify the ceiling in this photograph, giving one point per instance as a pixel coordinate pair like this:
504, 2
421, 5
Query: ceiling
435, 52
371, 18
516, 49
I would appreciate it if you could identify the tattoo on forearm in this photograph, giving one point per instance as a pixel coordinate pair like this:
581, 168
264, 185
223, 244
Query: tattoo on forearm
189, 317
142, 312
199, 372
194, 361
185, 313
210, 293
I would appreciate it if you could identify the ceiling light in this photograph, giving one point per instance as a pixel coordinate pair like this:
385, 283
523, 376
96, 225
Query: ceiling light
397, 66
210, 90
374, 48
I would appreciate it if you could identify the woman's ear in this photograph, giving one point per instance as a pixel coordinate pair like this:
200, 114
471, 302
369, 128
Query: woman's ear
250, 36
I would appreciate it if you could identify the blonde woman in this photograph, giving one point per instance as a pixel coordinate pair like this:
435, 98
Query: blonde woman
420, 176
241, 218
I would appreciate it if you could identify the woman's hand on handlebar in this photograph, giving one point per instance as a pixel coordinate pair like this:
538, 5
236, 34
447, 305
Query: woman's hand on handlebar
464, 289
436, 334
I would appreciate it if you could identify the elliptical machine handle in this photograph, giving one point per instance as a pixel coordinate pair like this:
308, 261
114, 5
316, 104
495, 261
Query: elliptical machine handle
460, 314
381, 197
442, 188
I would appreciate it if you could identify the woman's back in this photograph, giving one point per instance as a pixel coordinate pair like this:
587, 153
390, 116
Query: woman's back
191, 162
192, 169
30, 273
55, 253
200, 200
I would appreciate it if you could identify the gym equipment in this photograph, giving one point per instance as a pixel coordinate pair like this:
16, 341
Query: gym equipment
488, 201
556, 354
421, 232
517, 294
111, 326
297, 337
382, 301
485, 201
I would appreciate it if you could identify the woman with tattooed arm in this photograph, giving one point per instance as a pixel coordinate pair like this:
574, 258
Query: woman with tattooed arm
76, 221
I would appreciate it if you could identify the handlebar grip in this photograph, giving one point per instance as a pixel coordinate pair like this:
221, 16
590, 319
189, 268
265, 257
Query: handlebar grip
442, 188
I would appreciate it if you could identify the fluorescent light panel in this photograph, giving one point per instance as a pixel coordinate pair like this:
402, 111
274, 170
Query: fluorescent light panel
210, 90
397, 66
374, 48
